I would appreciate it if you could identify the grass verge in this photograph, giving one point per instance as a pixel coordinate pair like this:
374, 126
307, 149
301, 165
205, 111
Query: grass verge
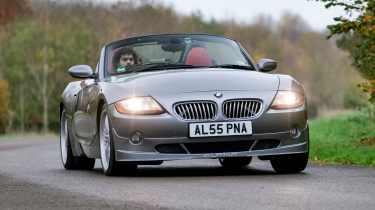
346, 139
28, 135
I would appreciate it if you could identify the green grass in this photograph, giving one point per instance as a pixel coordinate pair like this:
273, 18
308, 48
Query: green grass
345, 139
27, 135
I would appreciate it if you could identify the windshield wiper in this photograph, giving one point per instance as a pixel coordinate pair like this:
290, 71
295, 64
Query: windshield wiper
165, 66
232, 66
162, 66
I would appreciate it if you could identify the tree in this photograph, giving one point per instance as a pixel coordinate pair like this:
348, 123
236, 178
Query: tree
358, 37
9, 9
4, 101
36, 60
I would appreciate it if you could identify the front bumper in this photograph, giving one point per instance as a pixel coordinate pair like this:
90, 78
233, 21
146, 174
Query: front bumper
166, 129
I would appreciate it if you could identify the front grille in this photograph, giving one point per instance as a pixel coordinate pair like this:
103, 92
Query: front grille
266, 144
170, 149
218, 147
205, 147
241, 108
197, 110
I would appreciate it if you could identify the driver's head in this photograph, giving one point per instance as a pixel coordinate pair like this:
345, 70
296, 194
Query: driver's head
126, 57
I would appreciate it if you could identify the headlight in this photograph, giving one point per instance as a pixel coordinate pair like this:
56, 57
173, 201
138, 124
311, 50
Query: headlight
288, 100
139, 105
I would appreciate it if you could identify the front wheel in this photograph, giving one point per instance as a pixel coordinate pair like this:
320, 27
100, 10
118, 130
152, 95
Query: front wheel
107, 149
286, 164
235, 162
69, 161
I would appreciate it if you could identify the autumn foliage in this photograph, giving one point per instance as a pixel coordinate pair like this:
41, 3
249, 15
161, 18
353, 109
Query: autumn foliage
9, 9
358, 37
4, 101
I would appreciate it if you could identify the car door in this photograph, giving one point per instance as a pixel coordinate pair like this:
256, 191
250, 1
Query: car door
83, 122
86, 109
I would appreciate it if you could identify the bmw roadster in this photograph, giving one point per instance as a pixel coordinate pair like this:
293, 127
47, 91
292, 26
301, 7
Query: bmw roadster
182, 96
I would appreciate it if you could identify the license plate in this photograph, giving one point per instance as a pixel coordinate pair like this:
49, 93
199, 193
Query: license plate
237, 128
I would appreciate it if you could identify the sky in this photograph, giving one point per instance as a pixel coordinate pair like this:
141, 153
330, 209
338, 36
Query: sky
314, 13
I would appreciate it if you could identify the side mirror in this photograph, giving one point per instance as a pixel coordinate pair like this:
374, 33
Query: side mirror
81, 71
266, 65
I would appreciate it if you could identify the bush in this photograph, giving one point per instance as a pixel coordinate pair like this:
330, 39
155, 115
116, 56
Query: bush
354, 98
4, 105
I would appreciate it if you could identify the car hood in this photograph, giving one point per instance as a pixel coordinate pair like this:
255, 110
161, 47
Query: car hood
183, 82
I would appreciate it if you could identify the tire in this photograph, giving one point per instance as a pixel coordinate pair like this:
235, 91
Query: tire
69, 161
288, 164
235, 162
110, 166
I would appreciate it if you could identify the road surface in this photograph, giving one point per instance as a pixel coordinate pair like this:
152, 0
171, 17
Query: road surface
32, 177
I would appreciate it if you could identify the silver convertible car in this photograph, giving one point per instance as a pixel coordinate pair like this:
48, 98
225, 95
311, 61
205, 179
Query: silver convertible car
182, 96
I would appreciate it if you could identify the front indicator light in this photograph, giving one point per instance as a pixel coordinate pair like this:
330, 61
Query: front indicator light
288, 100
139, 106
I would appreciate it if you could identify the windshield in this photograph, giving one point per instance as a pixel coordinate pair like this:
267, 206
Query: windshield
174, 52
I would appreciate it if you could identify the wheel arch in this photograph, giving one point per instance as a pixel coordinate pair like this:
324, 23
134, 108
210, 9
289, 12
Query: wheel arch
61, 108
102, 101
76, 147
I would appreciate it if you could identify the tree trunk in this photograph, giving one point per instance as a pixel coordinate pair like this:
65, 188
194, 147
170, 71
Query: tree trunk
45, 73
22, 109
45, 97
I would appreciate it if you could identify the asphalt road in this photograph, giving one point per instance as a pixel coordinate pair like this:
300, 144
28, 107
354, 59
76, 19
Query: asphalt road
31, 177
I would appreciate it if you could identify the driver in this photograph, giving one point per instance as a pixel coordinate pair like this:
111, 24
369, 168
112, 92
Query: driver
126, 57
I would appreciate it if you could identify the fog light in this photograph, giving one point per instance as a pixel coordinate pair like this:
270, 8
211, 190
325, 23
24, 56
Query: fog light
136, 138
295, 132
